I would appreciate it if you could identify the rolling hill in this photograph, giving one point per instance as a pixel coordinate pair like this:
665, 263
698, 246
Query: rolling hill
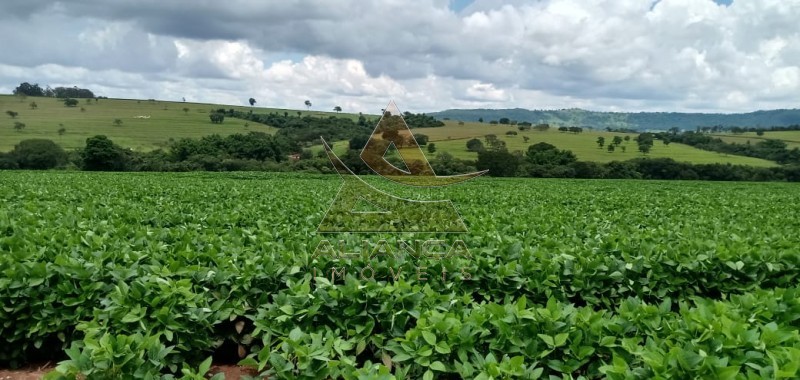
145, 124
151, 124
633, 120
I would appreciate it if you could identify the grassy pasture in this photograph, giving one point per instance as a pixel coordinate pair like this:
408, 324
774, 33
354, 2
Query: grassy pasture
452, 138
167, 121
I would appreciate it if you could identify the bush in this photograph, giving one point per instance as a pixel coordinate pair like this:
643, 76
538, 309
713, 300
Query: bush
39, 154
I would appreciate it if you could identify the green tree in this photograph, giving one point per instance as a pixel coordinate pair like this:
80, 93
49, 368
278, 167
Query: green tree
62, 130
494, 143
617, 140
39, 154
431, 148
645, 148
547, 154
337, 109
474, 145
760, 132
185, 110
480, 120
601, 141
117, 122
217, 117
308, 104
504, 121
627, 138
525, 139
33, 105
611, 148
499, 163
70, 102
28, 89
13, 114
421, 139
19, 126
252, 102
101, 154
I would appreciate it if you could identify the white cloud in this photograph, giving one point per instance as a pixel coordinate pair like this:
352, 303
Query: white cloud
597, 54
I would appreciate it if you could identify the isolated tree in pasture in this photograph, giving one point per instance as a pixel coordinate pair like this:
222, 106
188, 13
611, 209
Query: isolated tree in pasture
186, 110
759, 132
474, 145
337, 109
13, 114
19, 126
88, 101
480, 120
611, 148
601, 141
627, 138
299, 113
645, 148
33, 105
666, 140
216, 118
494, 143
83, 109
117, 122
624, 148
308, 104
252, 102
421, 139
617, 140
70, 102
674, 130
525, 139
431, 148
285, 114
62, 130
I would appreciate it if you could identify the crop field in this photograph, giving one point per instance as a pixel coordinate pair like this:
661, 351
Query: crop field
119, 275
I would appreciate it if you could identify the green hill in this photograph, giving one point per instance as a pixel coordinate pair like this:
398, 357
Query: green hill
632, 120
452, 138
175, 120
167, 120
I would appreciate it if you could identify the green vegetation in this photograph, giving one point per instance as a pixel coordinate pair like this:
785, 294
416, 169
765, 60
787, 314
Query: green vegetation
634, 120
151, 274
453, 138
147, 125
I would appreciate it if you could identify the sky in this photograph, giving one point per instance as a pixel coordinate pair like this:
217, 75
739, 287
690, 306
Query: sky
426, 55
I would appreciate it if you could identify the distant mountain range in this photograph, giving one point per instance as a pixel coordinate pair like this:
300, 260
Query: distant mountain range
630, 120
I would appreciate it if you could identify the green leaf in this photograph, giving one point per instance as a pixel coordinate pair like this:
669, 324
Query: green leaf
561, 339
204, 366
438, 366
429, 337
547, 339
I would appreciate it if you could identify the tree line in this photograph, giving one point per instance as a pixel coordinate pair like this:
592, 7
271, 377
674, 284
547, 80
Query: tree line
27, 89
258, 151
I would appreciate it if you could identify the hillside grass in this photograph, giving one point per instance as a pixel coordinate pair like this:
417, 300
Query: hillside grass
452, 138
791, 138
167, 121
